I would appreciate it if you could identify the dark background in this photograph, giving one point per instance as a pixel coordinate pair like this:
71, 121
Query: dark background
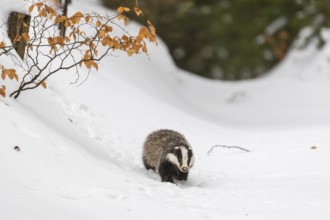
232, 39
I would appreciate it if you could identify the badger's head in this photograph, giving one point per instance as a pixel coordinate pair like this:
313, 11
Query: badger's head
182, 157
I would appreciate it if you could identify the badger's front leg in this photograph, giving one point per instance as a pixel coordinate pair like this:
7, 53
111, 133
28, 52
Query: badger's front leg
167, 171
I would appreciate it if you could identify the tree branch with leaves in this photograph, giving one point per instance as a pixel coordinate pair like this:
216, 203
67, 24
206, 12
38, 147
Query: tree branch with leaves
88, 39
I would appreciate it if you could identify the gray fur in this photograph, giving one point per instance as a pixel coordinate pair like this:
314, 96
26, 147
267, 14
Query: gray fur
159, 145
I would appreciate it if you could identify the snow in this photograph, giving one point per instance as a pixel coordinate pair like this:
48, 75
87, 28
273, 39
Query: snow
276, 25
80, 146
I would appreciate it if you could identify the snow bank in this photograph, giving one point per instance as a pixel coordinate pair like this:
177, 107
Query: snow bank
80, 147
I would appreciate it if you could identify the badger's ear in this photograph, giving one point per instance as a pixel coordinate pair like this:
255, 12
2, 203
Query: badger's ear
176, 148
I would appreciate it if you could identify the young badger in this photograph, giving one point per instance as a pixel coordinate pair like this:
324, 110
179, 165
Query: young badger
168, 153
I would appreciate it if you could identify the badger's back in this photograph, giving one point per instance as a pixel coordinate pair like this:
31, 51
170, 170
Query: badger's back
158, 144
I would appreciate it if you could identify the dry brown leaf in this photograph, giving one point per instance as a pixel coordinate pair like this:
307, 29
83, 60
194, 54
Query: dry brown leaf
106, 40
67, 23
125, 20
87, 18
101, 33
31, 8
95, 65
3, 91
75, 19
44, 85
137, 11
26, 37
108, 28
152, 28
59, 19
88, 64
123, 9
11, 73
130, 52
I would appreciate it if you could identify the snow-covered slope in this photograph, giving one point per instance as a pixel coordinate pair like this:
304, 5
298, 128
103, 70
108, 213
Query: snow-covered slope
80, 147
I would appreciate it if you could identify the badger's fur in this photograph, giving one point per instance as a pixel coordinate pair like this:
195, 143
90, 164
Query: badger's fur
168, 153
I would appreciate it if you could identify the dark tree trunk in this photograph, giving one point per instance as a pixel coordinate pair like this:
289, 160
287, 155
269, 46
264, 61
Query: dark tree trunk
64, 6
18, 23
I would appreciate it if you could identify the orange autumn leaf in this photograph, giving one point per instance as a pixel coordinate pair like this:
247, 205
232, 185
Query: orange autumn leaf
31, 8
125, 20
44, 85
26, 37
3, 91
101, 33
11, 73
130, 52
108, 28
75, 19
87, 18
60, 19
95, 66
152, 28
2, 44
106, 40
88, 64
123, 9
143, 32
137, 11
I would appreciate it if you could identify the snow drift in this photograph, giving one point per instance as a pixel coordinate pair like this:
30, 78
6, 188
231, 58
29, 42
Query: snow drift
80, 146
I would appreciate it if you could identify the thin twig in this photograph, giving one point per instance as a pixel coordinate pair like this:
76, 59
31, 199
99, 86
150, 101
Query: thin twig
226, 146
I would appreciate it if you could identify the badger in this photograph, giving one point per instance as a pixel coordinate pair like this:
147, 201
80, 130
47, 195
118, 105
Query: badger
168, 153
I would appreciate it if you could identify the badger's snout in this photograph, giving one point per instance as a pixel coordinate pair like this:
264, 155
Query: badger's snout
185, 169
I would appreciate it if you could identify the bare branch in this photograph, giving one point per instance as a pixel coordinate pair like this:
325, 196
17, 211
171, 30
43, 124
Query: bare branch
226, 146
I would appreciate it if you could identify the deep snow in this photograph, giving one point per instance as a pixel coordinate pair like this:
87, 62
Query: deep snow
80, 147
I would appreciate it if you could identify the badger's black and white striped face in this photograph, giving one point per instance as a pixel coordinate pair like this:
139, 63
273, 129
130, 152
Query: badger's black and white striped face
182, 157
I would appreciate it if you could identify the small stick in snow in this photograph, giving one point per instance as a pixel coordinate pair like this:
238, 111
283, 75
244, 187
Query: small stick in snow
226, 146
